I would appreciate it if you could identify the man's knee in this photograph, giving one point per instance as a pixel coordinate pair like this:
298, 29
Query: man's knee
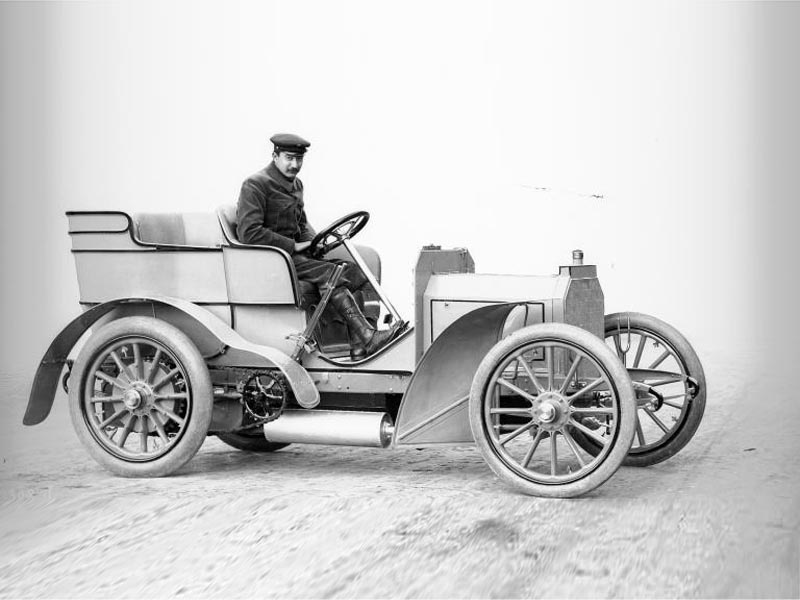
354, 277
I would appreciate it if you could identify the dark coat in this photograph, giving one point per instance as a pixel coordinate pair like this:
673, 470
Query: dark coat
270, 211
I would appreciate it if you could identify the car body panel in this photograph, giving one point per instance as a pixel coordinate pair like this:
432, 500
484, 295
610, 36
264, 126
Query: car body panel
241, 306
221, 346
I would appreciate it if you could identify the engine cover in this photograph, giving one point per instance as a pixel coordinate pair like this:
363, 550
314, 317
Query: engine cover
573, 296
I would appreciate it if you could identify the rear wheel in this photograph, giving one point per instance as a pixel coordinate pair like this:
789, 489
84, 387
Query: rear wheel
141, 402
529, 398
252, 442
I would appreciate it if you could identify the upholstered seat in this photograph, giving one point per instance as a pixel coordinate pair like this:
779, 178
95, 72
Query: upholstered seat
177, 229
227, 219
331, 332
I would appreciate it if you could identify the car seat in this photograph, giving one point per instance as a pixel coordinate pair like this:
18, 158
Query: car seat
331, 333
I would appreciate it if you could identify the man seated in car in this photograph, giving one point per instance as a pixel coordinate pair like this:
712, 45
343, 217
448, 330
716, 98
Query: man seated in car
270, 212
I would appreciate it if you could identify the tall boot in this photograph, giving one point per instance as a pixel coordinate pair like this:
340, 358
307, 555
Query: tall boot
358, 325
357, 351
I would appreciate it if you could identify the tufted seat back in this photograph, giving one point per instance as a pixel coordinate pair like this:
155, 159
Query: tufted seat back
181, 229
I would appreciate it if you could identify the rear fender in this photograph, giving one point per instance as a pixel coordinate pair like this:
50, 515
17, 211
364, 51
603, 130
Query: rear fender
230, 349
434, 407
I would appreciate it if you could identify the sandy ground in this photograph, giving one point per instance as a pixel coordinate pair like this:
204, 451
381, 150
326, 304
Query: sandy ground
720, 519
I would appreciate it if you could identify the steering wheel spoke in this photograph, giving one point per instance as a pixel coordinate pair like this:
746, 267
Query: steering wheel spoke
337, 232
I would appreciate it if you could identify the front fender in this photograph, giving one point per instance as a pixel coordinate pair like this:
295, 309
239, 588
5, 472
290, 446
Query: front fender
434, 407
234, 350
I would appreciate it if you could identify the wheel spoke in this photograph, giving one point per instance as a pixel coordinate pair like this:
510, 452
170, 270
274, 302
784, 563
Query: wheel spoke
515, 389
510, 411
590, 410
639, 431
166, 378
573, 446
126, 432
504, 427
553, 453
159, 427
169, 413
536, 439
639, 350
657, 421
571, 373
585, 389
103, 399
112, 380
667, 401
592, 434
153, 366
143, 433
175, 396
659, 360
519, 431
550, 360
674, 396
137, 362
657, 383
530, 374
123, 368
113, 418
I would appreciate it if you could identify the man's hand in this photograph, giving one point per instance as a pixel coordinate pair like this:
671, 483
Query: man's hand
301, 246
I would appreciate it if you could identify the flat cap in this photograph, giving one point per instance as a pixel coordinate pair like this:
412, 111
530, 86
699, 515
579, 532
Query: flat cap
289, 142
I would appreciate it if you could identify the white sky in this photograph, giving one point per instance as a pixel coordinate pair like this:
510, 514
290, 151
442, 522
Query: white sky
490, 125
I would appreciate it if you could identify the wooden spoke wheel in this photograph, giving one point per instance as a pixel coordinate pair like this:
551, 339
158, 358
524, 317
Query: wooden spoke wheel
530, 396
660, 359
142, 398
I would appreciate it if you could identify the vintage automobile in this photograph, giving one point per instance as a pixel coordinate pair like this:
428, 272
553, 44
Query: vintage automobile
195, 334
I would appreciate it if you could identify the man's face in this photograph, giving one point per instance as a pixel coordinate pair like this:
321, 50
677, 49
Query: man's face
288, 163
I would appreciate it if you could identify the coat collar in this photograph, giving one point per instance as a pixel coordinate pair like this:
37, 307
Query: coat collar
285, 183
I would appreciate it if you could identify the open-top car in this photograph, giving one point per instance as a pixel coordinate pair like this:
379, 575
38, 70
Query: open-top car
195, 334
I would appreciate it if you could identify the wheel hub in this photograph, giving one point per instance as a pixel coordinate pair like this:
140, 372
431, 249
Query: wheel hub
132, 399
547, 413
138, 398
550, 410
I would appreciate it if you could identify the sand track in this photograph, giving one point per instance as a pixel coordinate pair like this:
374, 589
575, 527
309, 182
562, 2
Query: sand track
719, 519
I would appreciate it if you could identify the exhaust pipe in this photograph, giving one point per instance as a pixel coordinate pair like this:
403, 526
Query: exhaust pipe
333, 427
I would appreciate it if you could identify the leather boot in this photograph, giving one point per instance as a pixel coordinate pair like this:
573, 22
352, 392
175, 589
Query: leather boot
372, 339
357, 351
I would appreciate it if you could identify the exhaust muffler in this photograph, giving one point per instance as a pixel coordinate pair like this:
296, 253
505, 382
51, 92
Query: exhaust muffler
334, 427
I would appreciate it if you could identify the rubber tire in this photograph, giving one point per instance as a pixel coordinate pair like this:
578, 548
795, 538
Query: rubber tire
250, 443
691, 363
618, 375
197, 376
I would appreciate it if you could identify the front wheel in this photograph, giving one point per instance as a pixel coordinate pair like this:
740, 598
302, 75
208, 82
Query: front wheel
530, 397
142, 400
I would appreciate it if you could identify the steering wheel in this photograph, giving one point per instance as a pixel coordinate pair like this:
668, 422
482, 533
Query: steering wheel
337, 232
